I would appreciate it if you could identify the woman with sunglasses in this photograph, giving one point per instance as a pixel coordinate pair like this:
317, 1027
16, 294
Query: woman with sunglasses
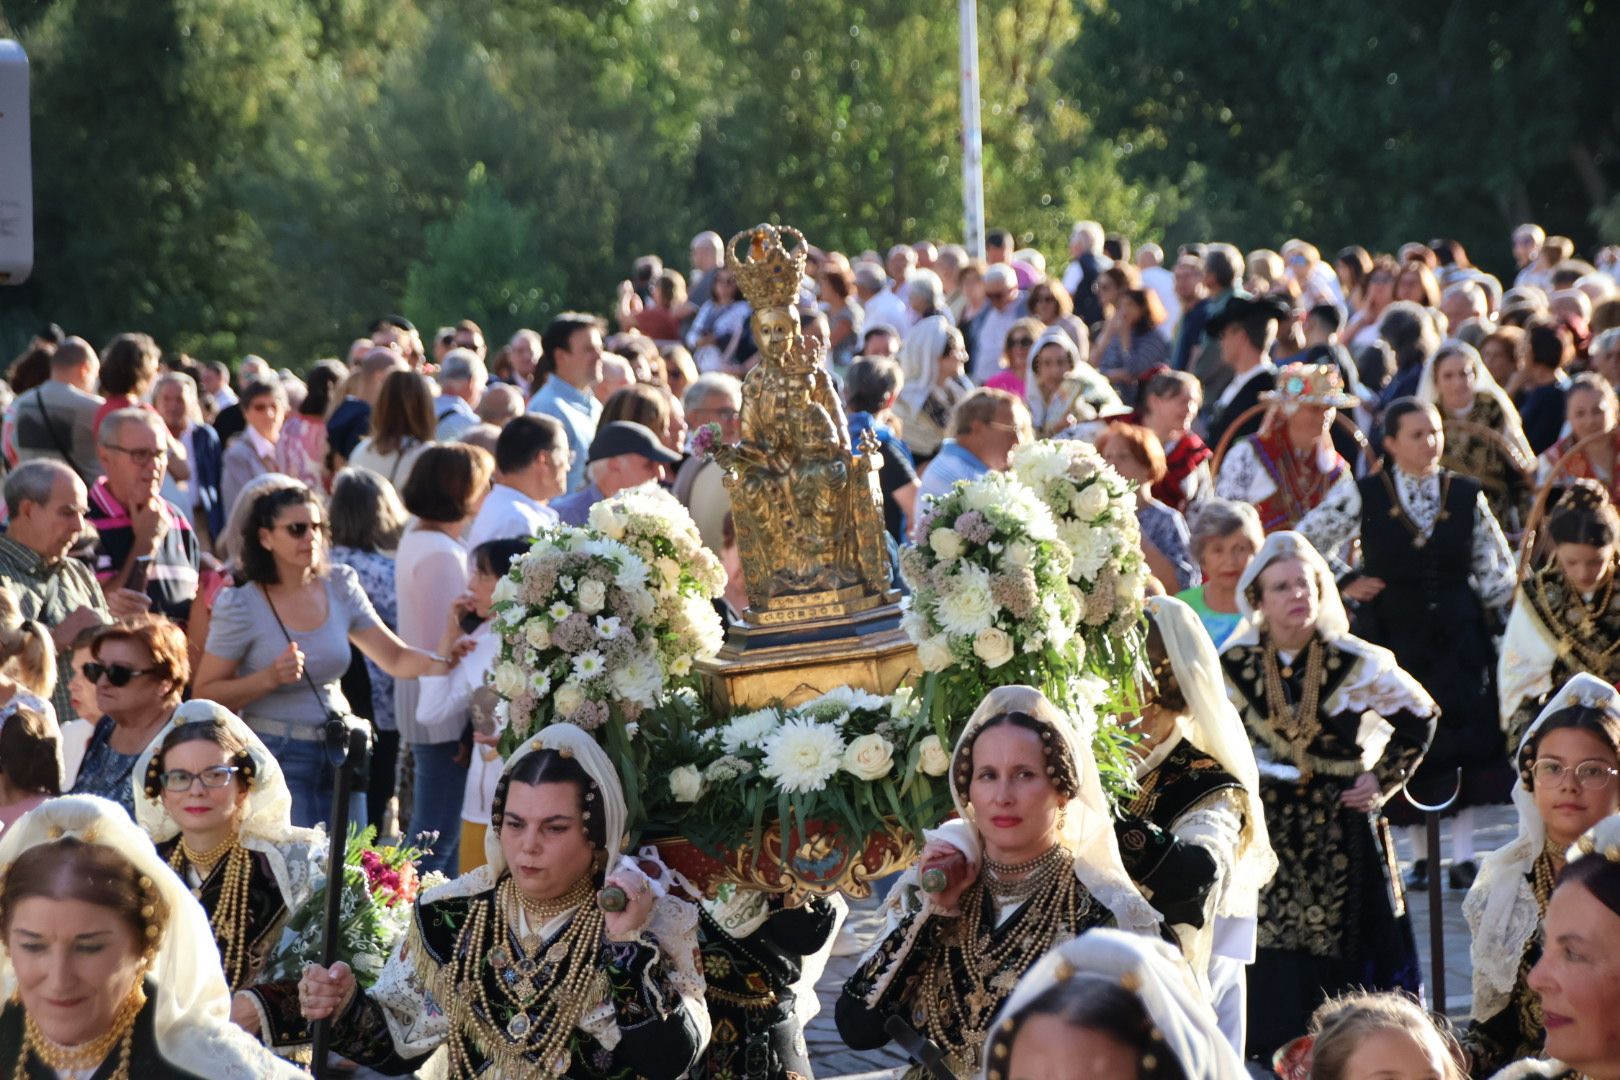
139, 669
1014, 371
214, 802
279, 644
1567, 764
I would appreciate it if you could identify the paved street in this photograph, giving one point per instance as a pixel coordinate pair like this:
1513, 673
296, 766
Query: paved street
832, 1058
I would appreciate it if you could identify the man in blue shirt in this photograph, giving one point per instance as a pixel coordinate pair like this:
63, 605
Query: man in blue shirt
985, 426
571, 362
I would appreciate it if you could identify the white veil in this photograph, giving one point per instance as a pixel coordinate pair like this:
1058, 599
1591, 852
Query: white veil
1331, 622
266, 824
1428, 391
1088, 825
1151, 971
191, 1003
1213, 726
920, 351
1501, 906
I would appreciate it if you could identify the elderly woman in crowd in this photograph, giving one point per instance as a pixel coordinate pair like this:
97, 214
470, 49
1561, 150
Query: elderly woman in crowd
367, 522
933, 358
253, 453
279, 644
109, 968
1032, 862
1590, 410
1567, 764
1224, 537
1169, 402
1457, 382
1333, 917
1110, 1004
1135, 454
514, 969
140, 670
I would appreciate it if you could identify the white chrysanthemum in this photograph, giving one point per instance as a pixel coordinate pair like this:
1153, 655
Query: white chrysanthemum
632, 571
802, 755
748, 729
540, 683
850, 698
608, 627
914, 625
965, 606
1090, 548
638, 679
588, 665
558, 612
708, 632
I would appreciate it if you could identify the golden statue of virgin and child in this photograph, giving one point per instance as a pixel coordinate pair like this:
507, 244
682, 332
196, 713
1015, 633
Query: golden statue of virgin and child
806, 504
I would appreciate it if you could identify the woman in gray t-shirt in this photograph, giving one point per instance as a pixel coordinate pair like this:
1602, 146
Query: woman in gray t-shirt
287, 626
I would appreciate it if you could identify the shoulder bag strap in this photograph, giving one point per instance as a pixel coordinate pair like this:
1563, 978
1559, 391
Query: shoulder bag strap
56, 438
319, 700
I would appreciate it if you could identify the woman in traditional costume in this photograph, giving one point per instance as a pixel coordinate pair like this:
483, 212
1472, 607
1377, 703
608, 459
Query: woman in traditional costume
515, 969
212, 798
1457, 383
1567, 763
1337, 728
1194, 835
1435, 579
1566, 616
1590, 409
757, 948
1290, 465
109, 970
1110, 1004
1578, 975
1032, 862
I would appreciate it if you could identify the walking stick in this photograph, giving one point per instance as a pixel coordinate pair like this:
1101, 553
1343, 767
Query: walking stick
927, 1056
1437, 932
345, 748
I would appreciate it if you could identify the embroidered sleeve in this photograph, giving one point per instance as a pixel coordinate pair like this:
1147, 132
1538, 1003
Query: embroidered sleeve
1491, 561
1336, 519
1408, 741
803, 930
281, 1024
654, 1021
1175, 876
1215, 825
1524, 674
873, 992
1241, 478
397, 1021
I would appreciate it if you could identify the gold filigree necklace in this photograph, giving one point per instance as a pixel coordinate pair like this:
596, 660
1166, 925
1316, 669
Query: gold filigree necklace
1296, 723
229, 919
86, 1057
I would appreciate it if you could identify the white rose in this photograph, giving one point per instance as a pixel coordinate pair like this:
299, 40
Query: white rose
685, 783
994, 647
669, 571
869, 757
509, 680
592, 595
569, 697
505, 589
1091, 502
537, 634
933, 653
932, 760
946, 544
1018, 555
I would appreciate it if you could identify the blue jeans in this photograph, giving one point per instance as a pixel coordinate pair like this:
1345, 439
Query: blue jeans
310, 778
440, 786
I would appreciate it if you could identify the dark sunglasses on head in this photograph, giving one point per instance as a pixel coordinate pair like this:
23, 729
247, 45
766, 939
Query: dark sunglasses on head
117, 674
299, 529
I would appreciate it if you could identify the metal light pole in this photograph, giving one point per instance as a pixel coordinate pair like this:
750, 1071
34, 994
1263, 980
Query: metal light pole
972, 141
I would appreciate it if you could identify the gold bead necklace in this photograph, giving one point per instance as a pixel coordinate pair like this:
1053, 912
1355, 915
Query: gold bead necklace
1297, 723
229, 919
85, 1057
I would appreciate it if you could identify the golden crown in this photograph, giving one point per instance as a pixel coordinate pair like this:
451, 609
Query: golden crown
768, 272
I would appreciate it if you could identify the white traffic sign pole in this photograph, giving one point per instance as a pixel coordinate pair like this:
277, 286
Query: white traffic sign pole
16, 168
972, 142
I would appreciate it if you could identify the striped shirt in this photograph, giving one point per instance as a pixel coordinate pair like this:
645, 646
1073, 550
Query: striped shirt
171, 579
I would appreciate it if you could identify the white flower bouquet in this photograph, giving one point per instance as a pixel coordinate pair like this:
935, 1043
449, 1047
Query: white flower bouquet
854, 765
684, 576
1095, 512
579, 637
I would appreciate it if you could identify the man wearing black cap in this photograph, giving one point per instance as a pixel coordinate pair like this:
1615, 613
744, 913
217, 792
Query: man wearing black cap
1245, 328
622, 455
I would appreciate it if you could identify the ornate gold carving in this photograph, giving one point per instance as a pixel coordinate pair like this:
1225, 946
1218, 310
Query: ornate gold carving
808, 509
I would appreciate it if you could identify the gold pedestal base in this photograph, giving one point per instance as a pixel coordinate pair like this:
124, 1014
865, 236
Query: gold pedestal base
741, 679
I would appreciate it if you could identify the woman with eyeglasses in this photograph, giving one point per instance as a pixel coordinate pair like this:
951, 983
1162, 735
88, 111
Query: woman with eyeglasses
1567, 763
214, 802
279, 644
139, 669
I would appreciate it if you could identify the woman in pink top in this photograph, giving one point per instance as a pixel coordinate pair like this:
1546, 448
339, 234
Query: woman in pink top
301, 448
1015, 357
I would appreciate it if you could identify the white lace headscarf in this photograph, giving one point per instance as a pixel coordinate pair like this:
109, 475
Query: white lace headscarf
920, 351
1485, 385
265, 823
1331, 619
570, 741
1501, 906
1212, 725
1152, 972
191, 1003
1087, 826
